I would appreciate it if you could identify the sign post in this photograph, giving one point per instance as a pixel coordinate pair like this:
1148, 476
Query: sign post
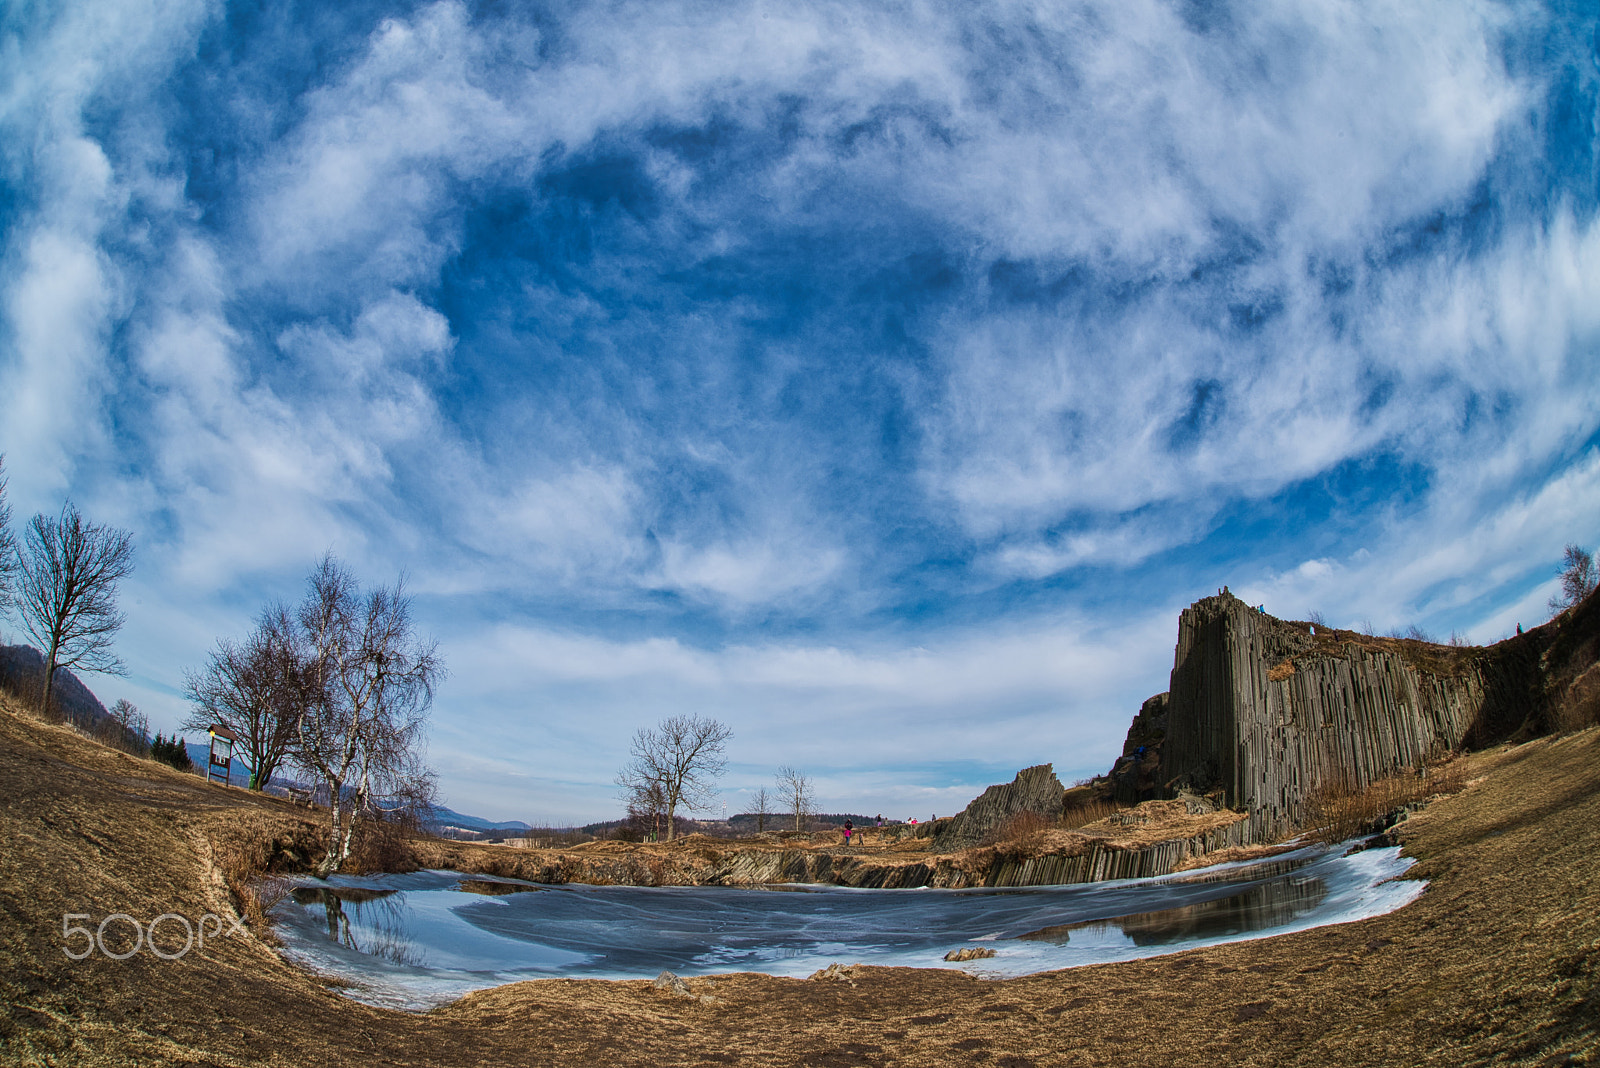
221, 764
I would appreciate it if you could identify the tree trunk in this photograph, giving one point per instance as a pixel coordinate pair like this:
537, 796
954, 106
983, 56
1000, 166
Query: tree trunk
49, 680
331, 861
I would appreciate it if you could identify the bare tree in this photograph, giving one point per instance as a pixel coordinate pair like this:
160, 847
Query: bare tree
67, 593
127, 728
371, 682
8, 546
647, 804
258, 689
761, 801
683, 758
1578, 579
796, 792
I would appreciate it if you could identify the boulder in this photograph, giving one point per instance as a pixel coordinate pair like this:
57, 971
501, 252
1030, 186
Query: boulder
968, 953
672, 984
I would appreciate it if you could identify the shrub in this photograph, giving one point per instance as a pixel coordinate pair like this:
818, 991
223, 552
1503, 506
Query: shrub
382, 844
1017, 827
1091, 812
1338, 810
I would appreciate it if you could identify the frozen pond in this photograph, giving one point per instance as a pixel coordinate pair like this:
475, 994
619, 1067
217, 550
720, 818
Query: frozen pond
417, 940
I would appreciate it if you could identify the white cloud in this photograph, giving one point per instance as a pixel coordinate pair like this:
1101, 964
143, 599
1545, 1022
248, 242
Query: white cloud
1462, 564
278, 372
566, 704
57, 311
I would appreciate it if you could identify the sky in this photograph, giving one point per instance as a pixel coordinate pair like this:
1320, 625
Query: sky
880, 379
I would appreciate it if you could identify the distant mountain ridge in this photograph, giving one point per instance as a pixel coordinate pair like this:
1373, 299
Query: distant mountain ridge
449, 817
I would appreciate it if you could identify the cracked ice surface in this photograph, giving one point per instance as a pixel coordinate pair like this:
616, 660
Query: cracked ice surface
414, 941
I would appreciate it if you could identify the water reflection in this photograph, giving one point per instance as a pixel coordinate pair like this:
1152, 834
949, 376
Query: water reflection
1260, 908
378, 915
495, 887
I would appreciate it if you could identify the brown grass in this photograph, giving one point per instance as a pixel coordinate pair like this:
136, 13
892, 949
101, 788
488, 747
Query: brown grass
1433, 657
1337, 810
1016, 828
1089, 812
251, 853
1494, 963
382, 845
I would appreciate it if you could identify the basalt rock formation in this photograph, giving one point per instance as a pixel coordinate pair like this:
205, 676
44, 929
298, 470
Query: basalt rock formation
1262, 711
1035, 789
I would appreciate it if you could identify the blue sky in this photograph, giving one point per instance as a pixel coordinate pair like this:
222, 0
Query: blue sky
879, 378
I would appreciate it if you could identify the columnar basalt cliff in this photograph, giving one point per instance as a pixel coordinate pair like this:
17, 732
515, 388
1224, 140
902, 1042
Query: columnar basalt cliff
1261, 711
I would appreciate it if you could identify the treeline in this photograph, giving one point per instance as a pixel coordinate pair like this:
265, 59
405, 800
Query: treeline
741, 825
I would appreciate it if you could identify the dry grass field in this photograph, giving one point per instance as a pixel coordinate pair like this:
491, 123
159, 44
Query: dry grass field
1494, 964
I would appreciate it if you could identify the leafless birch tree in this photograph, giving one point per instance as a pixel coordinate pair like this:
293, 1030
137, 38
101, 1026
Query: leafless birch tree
372, 680
258, 688
682, 758
796, 792
67, 593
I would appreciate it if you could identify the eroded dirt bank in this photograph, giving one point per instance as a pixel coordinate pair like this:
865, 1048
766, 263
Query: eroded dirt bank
1495, 963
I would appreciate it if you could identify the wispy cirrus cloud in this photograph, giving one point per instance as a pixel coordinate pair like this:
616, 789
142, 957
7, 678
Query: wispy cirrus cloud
809, 334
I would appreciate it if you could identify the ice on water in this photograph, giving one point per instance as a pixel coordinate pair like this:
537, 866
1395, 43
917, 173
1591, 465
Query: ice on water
417, 940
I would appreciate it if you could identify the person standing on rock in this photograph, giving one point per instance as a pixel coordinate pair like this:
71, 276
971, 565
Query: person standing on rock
848, 827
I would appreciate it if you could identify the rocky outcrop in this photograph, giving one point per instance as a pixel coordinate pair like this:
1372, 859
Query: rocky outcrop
1262, 711
1035, 789
1083, 858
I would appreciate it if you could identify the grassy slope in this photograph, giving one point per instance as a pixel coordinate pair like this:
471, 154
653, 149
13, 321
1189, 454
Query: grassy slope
1494, 964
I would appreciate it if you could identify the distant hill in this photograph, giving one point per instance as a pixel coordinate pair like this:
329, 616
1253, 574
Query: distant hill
449, 817
22, 668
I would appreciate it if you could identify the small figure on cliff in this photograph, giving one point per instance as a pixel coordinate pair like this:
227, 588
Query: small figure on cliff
848, 828
880, 821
